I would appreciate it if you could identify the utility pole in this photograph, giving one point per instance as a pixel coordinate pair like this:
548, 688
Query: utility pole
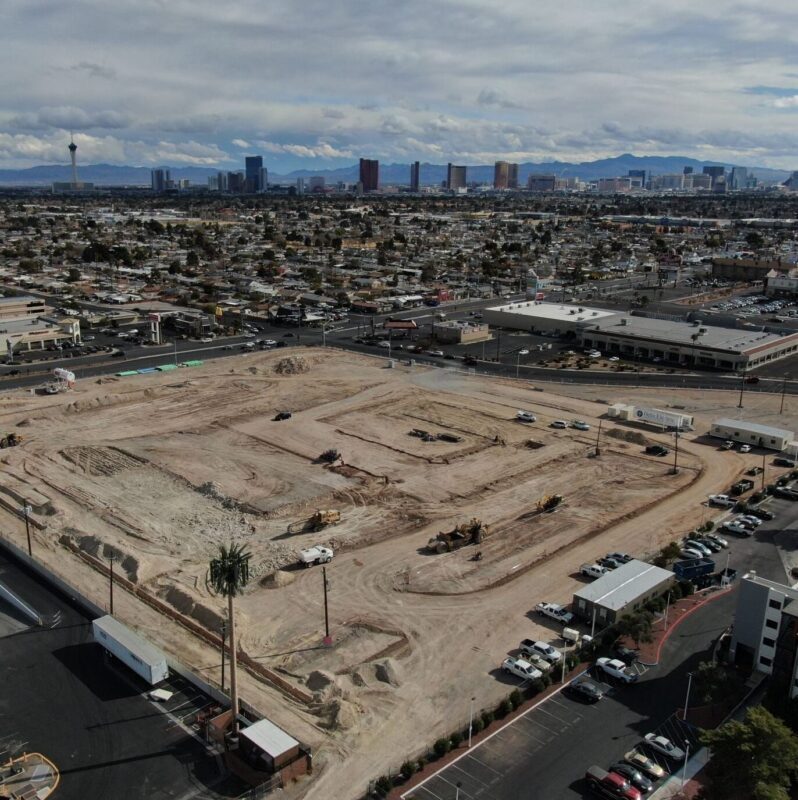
498, 344
783, 390
26, 509
764, 456
742, 389
675, 467
327, 637
598, 436
111, 559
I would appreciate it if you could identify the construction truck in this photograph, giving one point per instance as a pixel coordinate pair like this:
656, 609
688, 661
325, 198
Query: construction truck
317, 521
549, 502
472, 532
10, 440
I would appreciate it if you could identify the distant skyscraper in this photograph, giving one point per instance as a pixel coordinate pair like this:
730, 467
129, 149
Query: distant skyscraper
370, 174
541, 183
236, 182
316, 183
714, 173
512, 176
253, 165
415, 176
160, 180
738, 179
455, 177
264, 179
637, 175
300, 186
501, 171
687, 171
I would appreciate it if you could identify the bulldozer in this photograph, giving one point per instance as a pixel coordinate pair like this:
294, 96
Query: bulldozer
317, 521
10, 440
549, 502
472, 532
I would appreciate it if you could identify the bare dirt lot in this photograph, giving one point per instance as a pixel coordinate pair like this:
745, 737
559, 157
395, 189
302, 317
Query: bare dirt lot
156, 471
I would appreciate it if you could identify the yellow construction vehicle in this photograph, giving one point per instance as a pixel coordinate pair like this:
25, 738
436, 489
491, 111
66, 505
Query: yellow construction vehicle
472, 532
549, 502
317, 521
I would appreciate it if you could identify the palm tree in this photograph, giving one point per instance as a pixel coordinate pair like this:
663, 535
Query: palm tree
228, 574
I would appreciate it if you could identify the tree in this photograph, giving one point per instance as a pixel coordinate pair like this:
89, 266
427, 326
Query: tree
755, 758
228, 574
715, 682
636, 626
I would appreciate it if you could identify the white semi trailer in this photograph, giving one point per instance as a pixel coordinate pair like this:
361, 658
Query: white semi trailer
134, 652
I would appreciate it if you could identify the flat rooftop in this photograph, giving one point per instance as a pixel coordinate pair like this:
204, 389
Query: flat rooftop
553, 311
754, 427
28, 325
269, 738
619, 587
680, 333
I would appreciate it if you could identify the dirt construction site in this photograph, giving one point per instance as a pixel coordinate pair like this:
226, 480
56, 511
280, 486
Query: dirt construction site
156, 471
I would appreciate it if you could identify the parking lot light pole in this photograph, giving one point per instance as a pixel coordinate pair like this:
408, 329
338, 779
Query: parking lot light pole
687, 698
684, 769
764, 455
667, 607
675, 467
470, 720
26, 509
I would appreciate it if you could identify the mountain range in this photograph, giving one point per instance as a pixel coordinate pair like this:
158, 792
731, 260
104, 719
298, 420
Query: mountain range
431, 174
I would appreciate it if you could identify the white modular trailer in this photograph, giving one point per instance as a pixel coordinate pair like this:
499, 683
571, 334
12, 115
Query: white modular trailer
738, 430
651, 416
145, 660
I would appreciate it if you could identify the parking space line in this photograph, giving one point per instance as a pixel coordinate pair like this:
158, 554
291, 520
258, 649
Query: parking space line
483, 764
470, 775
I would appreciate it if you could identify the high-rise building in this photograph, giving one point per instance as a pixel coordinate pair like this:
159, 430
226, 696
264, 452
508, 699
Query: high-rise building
455, 177
541, 183
300, 186
512, 176
316, 183
370, 174
415, 176
687, 171
637, 175
253, 165
236, 182
714, 172
501, 170
160, 180
738, 178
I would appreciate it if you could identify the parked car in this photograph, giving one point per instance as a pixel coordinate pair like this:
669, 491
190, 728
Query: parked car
736, 528
785, 493
780, 461
663, 746
520, 668
714, 546
645, 764
544, 650
592, 570
580, 425
749, 520
554, 611
754, 471
609, 563
616, 669
610, 785
745, 448
721, 500
762, 513
719, 539
525, 416
627, 654
693, 544
657, 450
633, 775
691, 552
621, 558
559, 423
586, 691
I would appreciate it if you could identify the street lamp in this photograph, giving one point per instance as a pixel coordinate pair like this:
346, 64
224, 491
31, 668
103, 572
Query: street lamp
684, 769
687, 698
26, 509
675, 467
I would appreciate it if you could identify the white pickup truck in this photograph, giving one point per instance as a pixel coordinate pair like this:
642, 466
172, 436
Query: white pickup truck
315, 555
520, 668
617, 669
555, 612
592, 570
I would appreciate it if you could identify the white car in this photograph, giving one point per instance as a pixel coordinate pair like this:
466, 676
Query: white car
386, 345
734, 527
613, 358
580, 425
617, 669
545, 651
523, 352
206, 339
722, 500
269, 343
437, 353
692, 544
520, 668
745, 448
554, 611
691, 552
559, 423
525, 416
592, 570
664, 746
748, 520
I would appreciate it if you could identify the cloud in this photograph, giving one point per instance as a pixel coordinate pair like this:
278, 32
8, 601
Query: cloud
786, 102
94, 70
321, 150
70, 118
242, 144
490, 97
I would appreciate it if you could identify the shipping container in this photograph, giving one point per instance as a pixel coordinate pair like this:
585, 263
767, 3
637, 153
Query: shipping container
139, 655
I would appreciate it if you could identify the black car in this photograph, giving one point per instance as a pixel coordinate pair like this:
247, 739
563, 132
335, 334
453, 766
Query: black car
586, 691
627, 654
657, 450
469, 361
281, 415
118, 354
785, 493
762, 513
780, 461
634, 776
13, 372
754, 471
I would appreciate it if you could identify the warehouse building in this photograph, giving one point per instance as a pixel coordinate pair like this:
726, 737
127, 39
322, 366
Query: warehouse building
738, 430
765, 631
550, 318
457, 332
621, 591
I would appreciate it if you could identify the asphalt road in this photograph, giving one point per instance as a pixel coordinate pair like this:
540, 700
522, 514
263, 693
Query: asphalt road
61, 698
543, 755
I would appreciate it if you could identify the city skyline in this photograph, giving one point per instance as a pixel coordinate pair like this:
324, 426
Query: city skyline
153, 83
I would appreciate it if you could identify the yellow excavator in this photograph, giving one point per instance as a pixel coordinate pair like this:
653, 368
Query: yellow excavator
472, 532
316, 522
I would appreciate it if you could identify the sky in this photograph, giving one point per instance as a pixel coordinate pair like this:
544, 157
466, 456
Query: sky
316, 84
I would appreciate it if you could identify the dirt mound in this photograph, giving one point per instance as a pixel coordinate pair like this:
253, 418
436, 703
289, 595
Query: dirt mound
629, 436
386, 672
185, 604
319, 680
25, 422
342, 715
292, 365
104, 552
277, 579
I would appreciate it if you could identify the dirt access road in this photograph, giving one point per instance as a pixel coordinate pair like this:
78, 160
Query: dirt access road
158, 470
